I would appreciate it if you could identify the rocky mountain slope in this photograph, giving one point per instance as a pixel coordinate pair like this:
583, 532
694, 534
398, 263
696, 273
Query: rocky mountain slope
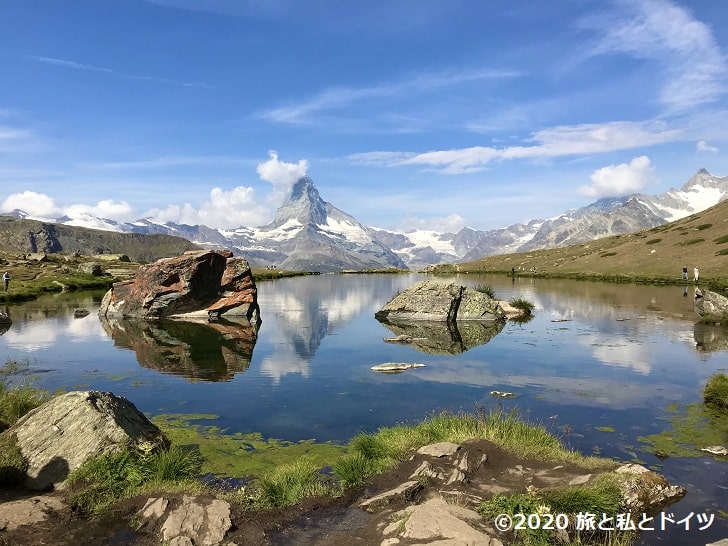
310, 234
24, 235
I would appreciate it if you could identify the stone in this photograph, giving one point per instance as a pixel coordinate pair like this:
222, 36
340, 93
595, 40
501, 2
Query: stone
646, 491
154, 508
205, 283
715, 450
91, 268
445, 338
707, 302
395, 367
198, 521
80, 312
407, 490
435, 519
439, 301
60, 435
440, 449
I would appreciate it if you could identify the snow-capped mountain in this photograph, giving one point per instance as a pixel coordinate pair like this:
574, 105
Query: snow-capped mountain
310, 234
605, 217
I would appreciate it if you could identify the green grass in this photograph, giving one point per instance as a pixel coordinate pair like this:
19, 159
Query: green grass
653, 241
291, 483
102, 481
524, 305
716, 390
691, 242
17, 396
721, 240
373, 453
486, 289
602, 496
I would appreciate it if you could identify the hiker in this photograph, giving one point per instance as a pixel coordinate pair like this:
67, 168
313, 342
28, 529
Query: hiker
6, 280
685, 273
696, 273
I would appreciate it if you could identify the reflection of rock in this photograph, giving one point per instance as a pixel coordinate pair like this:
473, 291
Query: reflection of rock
5, 322
446, 337
711, 337
710, 303
440, 301
208, 351
59, 436
396, 367
198, 283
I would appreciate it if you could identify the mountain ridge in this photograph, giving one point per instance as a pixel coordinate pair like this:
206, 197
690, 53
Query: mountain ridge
308, 233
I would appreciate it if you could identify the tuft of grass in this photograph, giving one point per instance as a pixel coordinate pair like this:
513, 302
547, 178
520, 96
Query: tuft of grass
17, 397
716, 390
524, 305
602, 496
607, 254
486, 289
721, 240
653, 241
12, 463
291, 483
102, 481
703, 226
691, 242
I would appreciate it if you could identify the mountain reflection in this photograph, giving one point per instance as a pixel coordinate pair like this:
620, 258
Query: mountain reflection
446, 338
203, 351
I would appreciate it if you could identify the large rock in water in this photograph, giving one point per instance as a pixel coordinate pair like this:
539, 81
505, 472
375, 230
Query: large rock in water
709, 303
59, 436
440, 301
206, 283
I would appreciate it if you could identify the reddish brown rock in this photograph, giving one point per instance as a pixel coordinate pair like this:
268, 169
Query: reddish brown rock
198, 283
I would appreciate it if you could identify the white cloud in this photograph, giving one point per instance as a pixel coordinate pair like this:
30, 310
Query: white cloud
82, 66
107, 208
35, 204
281, 175
695, 69
620, 180
567, 140
224, 209
705, 147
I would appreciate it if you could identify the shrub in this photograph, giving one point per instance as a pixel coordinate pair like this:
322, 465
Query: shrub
716, 390
525, 306
486, 289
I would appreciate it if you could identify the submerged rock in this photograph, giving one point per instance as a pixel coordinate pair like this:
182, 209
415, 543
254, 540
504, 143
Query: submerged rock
394, 367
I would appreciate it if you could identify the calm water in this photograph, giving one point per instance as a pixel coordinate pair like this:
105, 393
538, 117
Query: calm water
601, 365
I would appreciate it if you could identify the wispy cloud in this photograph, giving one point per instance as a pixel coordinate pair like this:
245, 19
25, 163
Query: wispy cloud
89, 67
695, 69
13, 139
571, 140
303, 113
164, 162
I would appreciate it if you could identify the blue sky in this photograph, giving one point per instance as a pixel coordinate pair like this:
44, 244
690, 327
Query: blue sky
406, 114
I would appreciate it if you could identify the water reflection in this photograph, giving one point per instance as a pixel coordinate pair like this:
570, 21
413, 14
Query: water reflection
207, 351
711, 337
446, 338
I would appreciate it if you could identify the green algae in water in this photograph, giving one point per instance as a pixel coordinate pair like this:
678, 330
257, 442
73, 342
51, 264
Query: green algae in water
241, 455
605, 429
691, 428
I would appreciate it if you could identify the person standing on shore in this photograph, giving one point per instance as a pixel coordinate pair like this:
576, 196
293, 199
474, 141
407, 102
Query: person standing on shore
696, 274
6, 280
685, 273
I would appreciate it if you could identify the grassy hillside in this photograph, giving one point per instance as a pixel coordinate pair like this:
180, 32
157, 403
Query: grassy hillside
653, 255
26, 236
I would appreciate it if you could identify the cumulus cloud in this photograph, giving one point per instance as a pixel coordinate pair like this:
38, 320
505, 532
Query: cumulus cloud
224, 209
705, 147
113, 210
35, 204
620, 180
281, 175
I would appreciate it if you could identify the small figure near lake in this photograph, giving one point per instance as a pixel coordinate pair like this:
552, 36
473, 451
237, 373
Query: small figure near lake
685, 273
696, 274
6, 280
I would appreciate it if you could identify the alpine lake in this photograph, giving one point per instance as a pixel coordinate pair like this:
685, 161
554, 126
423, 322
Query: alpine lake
615, 370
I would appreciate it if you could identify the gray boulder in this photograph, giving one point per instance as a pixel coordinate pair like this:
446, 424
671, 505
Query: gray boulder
707, 302
91, 268
433, 300
59, 436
